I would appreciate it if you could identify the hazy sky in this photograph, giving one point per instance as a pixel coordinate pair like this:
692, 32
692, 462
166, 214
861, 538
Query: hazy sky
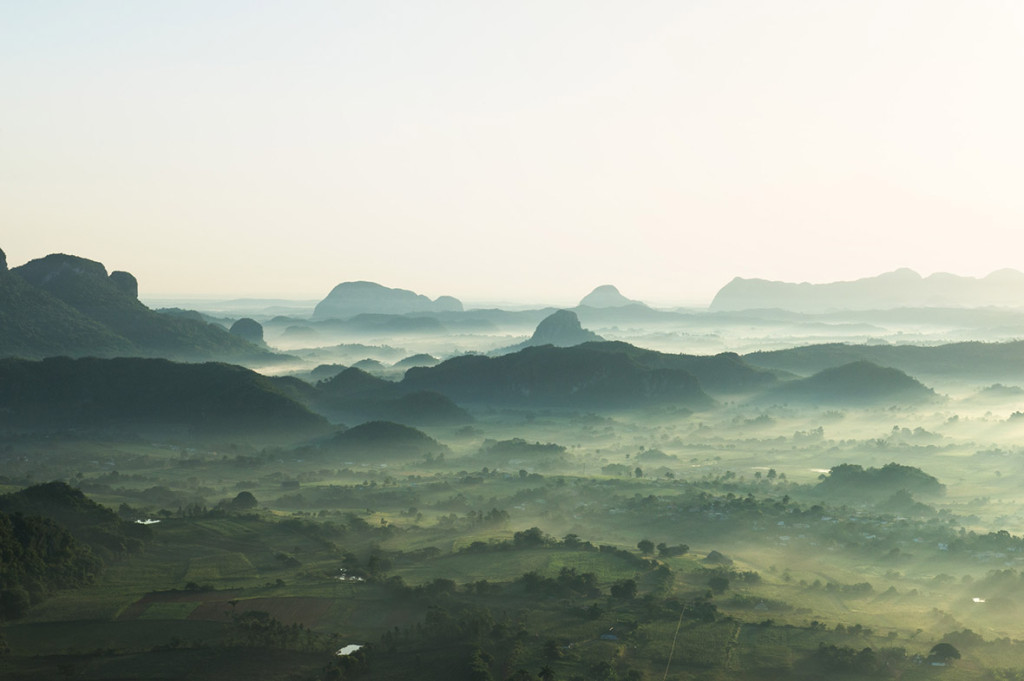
512, 150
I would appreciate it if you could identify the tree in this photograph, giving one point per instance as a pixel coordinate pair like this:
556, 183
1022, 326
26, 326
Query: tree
14, 603
529, 538
244, 501
943, 652
546, 673
718, 583
479, 667
666, 551
646, 546
639, 472
625, 589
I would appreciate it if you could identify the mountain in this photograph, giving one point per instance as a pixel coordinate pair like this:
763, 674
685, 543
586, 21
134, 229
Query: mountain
181, 401
854, 384
576, 377
562, 329
901, 288
356, 297
974, 360
64, 304
606, 296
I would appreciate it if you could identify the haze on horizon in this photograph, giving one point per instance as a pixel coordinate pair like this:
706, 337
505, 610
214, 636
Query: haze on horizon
523, 152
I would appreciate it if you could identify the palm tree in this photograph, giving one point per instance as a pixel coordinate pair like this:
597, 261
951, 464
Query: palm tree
546, 673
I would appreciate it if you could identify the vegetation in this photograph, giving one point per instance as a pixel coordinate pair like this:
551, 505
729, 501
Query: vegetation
555, 513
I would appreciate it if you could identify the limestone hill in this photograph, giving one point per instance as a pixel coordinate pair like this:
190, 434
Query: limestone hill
64, 304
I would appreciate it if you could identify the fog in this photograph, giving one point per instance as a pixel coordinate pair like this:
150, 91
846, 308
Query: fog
810, 486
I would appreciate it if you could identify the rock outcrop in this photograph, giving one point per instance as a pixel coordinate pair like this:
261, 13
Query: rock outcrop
125, 282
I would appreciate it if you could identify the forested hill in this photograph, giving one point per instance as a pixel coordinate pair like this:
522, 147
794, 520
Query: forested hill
149, 395
67, 305
573, 377
54, 537
854, 384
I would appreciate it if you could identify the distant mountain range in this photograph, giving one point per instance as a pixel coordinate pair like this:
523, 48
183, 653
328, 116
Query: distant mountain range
67, 305
902, 288
351, 298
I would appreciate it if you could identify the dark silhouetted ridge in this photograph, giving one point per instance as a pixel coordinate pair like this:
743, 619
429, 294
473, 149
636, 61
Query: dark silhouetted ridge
135, 394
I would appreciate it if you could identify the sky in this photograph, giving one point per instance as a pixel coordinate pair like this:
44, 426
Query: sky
512, 151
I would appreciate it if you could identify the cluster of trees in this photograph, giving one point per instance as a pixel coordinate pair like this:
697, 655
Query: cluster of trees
852, 479
259, 629
881, 662
844, 659
647, 547
569, 582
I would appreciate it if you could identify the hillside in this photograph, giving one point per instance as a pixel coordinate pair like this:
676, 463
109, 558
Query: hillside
577, 377
184, 401
64, 304
855, 384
